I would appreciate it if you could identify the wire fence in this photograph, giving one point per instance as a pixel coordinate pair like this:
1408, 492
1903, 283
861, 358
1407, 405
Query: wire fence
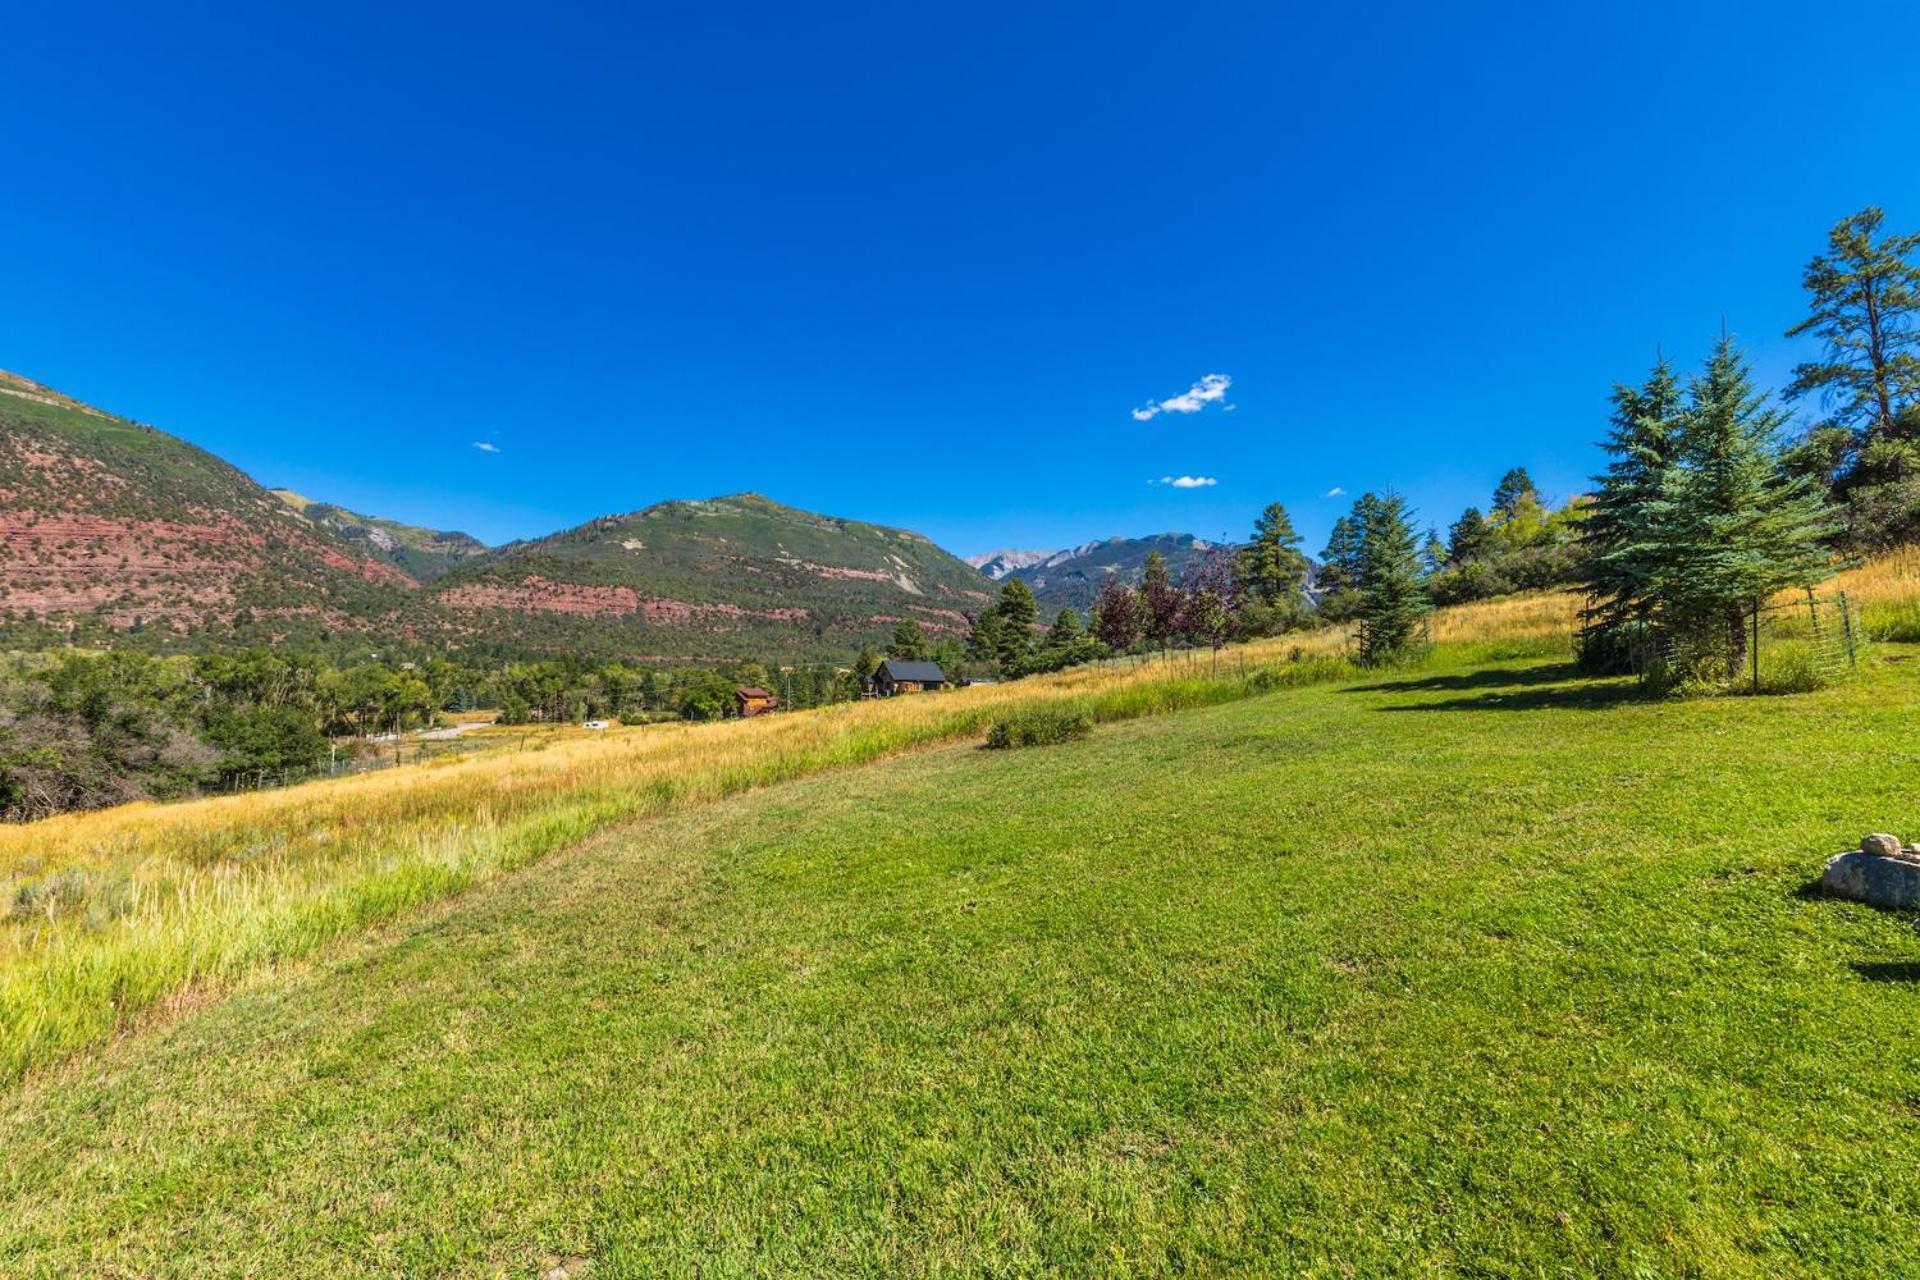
1779, 645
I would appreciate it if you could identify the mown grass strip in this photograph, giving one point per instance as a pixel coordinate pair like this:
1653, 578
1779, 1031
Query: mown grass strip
155, 899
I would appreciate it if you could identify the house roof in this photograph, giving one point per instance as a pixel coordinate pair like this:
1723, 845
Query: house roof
897, 669
752, 691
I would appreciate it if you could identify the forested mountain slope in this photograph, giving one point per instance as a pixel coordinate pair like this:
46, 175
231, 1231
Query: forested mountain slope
733, 575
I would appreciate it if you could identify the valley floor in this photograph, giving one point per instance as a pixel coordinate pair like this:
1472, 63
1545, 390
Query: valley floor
1469, 971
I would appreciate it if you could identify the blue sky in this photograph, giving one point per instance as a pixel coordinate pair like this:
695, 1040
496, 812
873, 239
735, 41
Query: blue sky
921, 265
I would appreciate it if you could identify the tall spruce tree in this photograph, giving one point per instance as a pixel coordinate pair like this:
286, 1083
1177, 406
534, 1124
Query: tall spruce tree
1016, 610
1339, 559
1640, 446
1866, 293
1468, 537
1393, 597
1271, 569
1729, 526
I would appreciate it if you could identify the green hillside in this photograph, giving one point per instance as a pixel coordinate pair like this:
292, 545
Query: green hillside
1459, 972
732, 576
108, 525
422, 554
116, 532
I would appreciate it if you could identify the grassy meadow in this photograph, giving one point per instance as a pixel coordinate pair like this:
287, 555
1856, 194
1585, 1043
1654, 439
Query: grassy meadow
114, 915
1473, 968
119, 912
1479, 969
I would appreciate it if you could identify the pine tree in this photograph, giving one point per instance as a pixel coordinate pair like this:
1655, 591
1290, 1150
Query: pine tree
1067, 642
1271, 569
1011, 630
1467, 537
1641, 444
1393, 598
1339, 559
983, 635
1515, 488
1017, 606
909, 641
1729, 527
1865, 293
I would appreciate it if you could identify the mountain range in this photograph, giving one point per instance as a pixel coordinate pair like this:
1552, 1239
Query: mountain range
112, 531
1072, 578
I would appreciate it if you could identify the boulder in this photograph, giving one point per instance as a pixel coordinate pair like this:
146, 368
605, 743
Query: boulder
1874, 880
1881, 843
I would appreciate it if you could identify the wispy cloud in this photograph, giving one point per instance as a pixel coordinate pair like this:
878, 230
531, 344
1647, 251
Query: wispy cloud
1186, 482
484, 447
1335, 492
1209, 390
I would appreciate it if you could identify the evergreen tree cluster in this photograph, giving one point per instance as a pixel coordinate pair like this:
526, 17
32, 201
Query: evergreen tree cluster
1696, 521
1519, 544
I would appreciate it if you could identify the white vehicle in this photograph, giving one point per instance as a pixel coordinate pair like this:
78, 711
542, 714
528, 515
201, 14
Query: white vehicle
597, 724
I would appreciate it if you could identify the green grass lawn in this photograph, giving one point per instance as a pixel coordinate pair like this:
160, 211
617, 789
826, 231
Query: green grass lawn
1464, 972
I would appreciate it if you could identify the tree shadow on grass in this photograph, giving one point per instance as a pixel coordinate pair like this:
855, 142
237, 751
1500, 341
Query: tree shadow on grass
1558, 685
1887, 971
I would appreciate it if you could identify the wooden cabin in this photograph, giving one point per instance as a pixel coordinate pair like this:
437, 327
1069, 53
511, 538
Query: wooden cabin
752, 701
896, 675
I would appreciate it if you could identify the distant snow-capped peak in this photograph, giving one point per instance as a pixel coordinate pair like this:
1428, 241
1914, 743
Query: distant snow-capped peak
998, 564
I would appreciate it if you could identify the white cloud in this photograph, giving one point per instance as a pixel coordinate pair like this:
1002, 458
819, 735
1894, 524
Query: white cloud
1186, 482
1335, 492
484, 447
1208, 390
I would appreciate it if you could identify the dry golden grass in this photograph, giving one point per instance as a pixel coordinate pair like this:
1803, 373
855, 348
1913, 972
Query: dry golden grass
1536, 616
115, 910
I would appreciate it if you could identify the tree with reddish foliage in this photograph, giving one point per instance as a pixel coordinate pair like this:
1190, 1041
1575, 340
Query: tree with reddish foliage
1117, 616
1208, 600
1159, 602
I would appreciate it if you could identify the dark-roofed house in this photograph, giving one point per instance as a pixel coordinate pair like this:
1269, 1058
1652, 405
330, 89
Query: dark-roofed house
898, 675
752, 700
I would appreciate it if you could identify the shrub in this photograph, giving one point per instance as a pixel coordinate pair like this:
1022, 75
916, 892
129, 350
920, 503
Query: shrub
1040, 727
1796, 669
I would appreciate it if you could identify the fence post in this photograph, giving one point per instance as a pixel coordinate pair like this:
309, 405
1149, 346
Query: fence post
1756, 646
1846, 621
